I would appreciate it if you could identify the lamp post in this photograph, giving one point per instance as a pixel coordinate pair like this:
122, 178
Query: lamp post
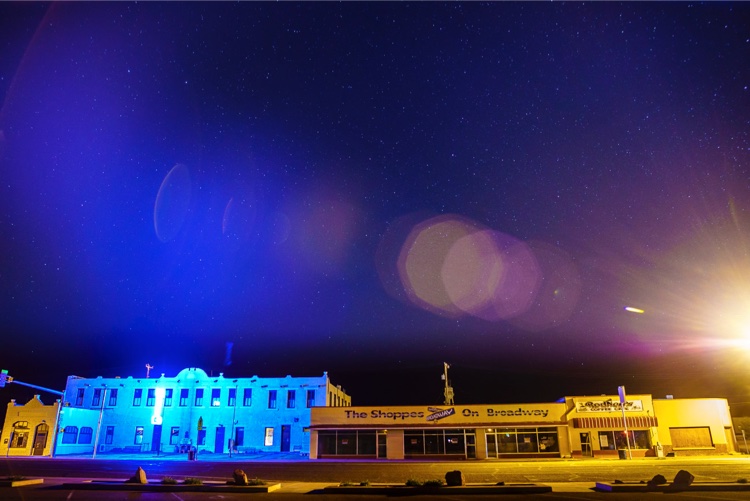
448, 391
234, 420
99, 424
621, 392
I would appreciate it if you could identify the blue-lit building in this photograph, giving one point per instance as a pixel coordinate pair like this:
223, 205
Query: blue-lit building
192, 411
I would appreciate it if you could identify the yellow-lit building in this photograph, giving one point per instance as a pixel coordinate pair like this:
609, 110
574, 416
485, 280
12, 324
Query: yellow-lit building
572, 427
29, 428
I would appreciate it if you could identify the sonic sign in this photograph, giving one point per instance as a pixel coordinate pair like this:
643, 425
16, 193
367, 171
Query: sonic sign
608, 405
433, 415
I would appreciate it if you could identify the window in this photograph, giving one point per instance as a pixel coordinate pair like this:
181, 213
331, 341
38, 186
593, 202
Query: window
85, 436
347, 442
199, 397
113, 397
501, 441
271, 399
215, 397
268, 440
291, 399
168, 397
21, 439
247, 397
691, 438
79, 397
611, 440
174, 435
232, 399
184, 395
96, 400
70, 435
239, 436
109, 435
310, 398
137, 397
151, 397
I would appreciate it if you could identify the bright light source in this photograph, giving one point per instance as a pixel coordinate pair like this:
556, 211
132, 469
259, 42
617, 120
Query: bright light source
632, 309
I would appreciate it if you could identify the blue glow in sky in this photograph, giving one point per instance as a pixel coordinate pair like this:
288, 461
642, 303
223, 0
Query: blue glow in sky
374, 188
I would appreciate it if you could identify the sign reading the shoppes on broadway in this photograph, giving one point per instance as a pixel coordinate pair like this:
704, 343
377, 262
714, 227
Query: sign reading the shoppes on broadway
437, 415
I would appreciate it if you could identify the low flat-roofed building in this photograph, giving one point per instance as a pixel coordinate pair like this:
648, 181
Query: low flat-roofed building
572, 427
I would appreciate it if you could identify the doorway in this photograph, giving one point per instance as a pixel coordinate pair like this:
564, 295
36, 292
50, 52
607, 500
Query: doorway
40, 439
219, 442
156, 439
286, 437
586, 445
382, 452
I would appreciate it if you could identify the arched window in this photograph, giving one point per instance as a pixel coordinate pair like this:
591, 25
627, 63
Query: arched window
70, 435
85, 436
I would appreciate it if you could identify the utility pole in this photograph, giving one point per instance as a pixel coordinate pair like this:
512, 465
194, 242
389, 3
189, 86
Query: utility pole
448, 391
99, 423
148, 369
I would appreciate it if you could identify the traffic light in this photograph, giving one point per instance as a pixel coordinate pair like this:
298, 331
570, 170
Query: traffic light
3, 377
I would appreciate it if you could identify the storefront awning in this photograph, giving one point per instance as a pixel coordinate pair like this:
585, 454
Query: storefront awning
615, 422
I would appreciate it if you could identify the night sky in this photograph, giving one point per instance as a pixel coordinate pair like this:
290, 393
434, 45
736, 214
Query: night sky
373, 189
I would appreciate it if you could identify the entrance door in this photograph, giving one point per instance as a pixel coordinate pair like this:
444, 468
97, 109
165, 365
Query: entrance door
286, 437
586, 445
382, 445
219, 442
40, 440
156, 439
471, 446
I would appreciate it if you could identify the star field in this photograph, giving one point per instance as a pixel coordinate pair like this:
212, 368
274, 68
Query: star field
372, 189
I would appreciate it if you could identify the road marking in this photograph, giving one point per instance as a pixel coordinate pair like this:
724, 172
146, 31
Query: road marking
70, 496
178, 497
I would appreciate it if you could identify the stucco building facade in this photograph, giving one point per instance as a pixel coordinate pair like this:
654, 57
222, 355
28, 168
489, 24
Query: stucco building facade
28, 428
572, 427
191, 411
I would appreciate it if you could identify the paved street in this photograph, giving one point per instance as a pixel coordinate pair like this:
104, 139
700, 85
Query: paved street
570, 479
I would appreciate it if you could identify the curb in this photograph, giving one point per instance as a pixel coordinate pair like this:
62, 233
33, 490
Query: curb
694, 487
101, 485
403, 490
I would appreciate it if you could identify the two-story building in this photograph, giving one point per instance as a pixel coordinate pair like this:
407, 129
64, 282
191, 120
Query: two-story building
192, 411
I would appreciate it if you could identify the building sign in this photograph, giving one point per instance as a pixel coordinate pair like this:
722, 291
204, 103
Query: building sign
451, 415
438, 413
608, 405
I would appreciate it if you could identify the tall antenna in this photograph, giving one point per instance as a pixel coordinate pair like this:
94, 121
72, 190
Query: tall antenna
448, 391
148, 369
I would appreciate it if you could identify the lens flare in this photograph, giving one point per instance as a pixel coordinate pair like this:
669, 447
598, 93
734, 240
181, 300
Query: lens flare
172, 203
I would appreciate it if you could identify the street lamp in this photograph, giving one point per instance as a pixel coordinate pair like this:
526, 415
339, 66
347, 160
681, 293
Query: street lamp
99, 424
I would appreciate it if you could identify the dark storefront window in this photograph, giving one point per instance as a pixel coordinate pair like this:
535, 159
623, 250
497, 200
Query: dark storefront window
434, 442
502, 441
347, 443
611, 440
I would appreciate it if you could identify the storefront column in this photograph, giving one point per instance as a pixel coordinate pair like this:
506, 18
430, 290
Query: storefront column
313, 444
481, 438
395, 444
563, 437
